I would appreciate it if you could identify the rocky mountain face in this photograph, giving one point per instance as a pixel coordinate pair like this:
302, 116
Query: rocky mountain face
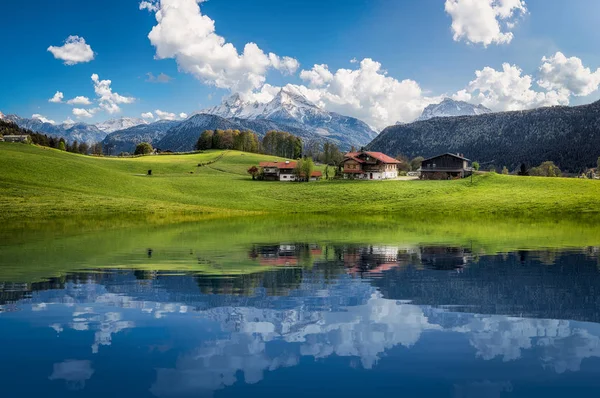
183, 136
122, 123
568, 136
291, 108
80, 132
448, 108
127, 139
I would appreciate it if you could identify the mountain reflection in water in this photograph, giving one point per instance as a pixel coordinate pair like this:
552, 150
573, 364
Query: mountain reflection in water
323, 319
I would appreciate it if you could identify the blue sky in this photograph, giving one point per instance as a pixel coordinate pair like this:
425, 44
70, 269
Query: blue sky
414, 56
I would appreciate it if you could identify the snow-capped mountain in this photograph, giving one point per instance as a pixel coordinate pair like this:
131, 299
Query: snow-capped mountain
81, 132
449, 107
122, 123
292, 108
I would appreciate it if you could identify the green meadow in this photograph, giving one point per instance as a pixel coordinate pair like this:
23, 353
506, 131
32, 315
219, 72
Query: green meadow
41, 183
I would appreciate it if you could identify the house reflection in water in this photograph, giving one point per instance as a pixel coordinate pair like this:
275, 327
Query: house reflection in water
368, 260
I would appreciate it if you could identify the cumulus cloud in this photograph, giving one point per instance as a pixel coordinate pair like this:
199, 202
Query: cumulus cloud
509, 89
165, 115
87, 113
148, 115
109, 100
318, 76
367, 93
57, 98
79, 100
484, 21
42, 118
74, 51
185, 34
68, 120
286, 65
561, 73
161, 78
183, 115
147, 5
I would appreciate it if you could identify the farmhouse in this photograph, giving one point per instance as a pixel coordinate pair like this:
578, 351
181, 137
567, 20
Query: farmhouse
16, 138
279, 171
370, 166
446, 166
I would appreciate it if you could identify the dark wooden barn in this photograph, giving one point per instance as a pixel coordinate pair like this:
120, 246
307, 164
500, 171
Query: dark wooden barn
446, 166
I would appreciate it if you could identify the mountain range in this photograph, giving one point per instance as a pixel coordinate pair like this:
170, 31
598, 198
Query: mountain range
288, 111
290, 108
568, 136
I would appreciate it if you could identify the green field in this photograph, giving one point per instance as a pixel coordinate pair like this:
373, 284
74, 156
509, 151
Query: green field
41, 183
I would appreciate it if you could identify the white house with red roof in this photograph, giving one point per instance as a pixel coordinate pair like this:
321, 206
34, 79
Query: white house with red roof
284, 171
370, 166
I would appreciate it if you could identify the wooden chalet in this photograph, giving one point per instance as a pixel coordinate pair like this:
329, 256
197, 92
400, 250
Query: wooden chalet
446, 166
279, 171
370, 166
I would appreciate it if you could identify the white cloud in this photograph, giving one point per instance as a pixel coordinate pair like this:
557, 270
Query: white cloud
318, 76
286, 65
79, 100
87, 113
148, 115
109, 101
183, 115
42, 119
367, 93
183, 33
561, 73
58, 97
484, 21
509, 90
74, 51
147, 5
165, 115
69, 121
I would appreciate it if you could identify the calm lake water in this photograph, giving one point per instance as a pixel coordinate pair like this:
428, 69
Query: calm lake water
259, 309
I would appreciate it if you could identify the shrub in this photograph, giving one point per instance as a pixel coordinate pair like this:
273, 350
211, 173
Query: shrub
143, 148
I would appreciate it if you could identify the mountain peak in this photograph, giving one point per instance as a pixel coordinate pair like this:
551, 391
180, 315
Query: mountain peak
122, 123
449, 107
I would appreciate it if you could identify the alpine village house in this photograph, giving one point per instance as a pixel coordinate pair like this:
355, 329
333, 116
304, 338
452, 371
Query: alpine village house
446, 166
284, 171
370, 166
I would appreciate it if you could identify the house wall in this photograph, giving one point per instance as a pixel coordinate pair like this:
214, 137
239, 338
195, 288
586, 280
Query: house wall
287, 177
445, 162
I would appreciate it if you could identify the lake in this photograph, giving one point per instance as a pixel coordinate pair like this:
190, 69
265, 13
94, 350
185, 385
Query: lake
317, 306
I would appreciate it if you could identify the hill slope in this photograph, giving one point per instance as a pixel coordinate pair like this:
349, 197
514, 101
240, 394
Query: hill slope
569, 136
38, 183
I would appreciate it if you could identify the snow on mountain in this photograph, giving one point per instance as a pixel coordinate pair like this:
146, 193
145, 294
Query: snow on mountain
1, 115
293, 109
122, 123
449, 107
81, 132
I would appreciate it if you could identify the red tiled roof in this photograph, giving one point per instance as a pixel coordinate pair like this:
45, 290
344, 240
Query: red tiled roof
382, 157
279, 165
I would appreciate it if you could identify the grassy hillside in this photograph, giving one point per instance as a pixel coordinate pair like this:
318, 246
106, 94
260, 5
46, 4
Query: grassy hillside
37, 183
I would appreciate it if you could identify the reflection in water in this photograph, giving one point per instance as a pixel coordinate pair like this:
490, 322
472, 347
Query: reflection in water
360, 309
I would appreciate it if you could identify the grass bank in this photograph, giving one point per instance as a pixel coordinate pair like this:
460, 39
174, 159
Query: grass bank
41, 183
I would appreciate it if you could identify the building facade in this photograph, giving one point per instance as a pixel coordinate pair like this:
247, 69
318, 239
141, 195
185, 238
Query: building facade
370, 166
284, 171
446, 166
17, 138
